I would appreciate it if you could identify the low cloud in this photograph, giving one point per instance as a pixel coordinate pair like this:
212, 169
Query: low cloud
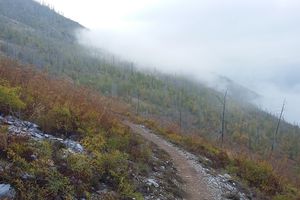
255, 43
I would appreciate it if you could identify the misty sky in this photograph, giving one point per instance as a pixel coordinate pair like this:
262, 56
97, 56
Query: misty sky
256, 43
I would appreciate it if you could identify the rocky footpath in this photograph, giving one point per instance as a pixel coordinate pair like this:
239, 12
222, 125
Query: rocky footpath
200, 180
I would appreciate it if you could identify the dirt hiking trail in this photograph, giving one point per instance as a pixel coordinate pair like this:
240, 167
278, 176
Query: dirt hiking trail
200, 183
195, 185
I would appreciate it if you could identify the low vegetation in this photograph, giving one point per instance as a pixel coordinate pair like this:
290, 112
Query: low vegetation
66, 110
46, 169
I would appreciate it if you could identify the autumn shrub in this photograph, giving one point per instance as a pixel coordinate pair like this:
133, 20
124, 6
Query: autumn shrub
22, 150
3, 139
60, 116
58, 186
48, 184
259, 174
110, 153
114, 167
114, 161
10, 98
33, 173
43, 149
94, 143
139, 151
79, 167
115, 142
290, 193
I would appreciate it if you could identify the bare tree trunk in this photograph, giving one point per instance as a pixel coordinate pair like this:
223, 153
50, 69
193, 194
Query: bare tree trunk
249, 142
180, 109
223, 118
277, 128
180, 118
138, 103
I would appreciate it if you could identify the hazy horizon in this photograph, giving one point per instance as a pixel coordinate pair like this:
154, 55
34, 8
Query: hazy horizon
254, 43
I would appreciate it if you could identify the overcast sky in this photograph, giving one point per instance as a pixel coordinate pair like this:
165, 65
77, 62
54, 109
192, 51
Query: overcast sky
254, 42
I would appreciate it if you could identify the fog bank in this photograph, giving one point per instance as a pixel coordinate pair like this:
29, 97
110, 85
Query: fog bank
255, 43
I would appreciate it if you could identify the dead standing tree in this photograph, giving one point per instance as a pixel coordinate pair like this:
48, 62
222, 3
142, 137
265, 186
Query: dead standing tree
223, 101
223, 116
138, 102
180, 101
277, 127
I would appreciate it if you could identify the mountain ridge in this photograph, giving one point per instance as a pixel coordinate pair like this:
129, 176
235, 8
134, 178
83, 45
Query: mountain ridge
159, 95
174, 102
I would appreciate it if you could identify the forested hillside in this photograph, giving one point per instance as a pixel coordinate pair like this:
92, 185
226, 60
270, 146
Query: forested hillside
35, 34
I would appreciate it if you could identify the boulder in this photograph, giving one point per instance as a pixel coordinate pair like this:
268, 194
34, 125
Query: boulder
74, 146
7, 191
227, 176
152, 182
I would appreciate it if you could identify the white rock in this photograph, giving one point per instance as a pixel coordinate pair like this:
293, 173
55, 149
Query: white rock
74, 146
7, 191
19, 127
152, 182
227, 176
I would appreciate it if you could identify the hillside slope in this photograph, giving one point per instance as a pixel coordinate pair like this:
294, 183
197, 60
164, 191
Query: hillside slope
35, 34
72, 146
